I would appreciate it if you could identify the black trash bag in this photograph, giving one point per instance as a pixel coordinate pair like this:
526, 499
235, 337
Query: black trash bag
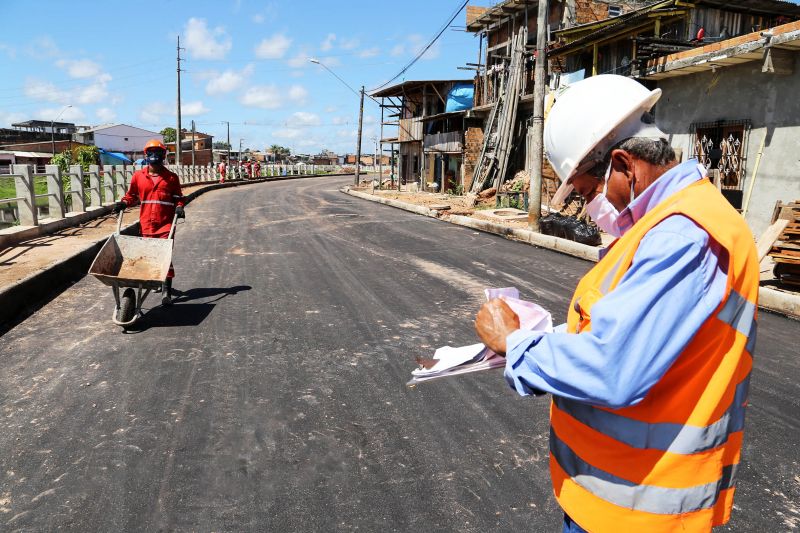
570, 228
587, 234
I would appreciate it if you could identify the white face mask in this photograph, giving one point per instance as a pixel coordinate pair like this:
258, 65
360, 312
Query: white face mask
603, 212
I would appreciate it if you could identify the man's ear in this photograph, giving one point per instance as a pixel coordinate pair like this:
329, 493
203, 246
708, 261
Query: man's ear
622, 161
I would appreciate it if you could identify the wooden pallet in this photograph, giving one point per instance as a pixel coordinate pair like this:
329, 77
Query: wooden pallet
785, 251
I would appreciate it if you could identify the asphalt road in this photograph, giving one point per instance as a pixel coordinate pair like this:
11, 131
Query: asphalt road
272, 396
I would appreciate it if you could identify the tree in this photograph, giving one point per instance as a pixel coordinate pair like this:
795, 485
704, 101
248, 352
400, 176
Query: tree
169, 135
221, 145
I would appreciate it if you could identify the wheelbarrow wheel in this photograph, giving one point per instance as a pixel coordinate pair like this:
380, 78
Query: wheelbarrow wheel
127, 306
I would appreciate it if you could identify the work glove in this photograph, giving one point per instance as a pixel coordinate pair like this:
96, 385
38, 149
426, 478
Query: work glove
180, 212
119, 206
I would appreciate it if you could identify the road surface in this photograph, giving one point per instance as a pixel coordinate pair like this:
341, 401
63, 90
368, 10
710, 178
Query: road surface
272, 396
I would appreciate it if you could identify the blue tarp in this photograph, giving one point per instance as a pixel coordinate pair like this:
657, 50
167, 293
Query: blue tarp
460, 97
113, 158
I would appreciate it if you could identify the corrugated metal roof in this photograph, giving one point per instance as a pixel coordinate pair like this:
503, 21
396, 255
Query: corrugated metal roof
400, 88
16, 153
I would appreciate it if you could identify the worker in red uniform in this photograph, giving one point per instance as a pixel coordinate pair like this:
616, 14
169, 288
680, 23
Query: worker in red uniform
158, 190
222, 171
256, 169
247, 168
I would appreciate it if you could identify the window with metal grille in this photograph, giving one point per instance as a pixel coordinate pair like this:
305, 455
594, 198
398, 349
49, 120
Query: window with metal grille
722, 146
614, 11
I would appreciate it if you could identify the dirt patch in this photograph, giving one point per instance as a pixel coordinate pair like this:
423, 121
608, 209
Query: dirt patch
459, 205
139, 268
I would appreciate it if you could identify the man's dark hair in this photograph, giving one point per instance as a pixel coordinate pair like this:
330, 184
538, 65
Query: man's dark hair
654, 151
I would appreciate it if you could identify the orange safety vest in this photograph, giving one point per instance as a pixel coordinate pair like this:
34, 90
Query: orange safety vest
668, 463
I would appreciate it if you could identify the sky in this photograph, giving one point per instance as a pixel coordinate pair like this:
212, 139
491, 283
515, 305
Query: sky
247, 62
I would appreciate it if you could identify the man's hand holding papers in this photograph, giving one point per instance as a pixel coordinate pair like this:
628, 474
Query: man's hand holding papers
511, 314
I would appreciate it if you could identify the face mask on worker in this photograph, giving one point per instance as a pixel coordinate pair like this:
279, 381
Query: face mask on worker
603, 212
155, 157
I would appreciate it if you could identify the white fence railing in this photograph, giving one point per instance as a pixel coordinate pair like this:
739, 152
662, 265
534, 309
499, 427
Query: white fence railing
79, 191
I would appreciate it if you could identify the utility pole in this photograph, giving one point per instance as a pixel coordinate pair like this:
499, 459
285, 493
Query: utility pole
178, 129
228, 162
358, 146
536, 149
193, 142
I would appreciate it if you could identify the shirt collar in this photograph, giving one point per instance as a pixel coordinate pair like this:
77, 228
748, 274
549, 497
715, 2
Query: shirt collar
672, 181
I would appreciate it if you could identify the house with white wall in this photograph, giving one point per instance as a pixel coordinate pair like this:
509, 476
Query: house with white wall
129, 140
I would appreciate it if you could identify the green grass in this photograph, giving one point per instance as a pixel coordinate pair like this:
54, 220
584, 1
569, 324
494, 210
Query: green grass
8, 190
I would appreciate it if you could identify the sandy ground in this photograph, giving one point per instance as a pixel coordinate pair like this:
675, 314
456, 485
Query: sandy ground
20, 261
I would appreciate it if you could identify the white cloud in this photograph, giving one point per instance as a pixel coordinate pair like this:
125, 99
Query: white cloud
327, 44
274, 47
193, 109
258, 18
299, 60
149, 118
92, 94
106, 115
204, 43
369, 52
80, 68
304, 118
9, 50
298, 94
44, 90
339, 120
9, 117
348, 44
413, 45
262, 96
331, 109
69, 114
228, 81
43, 48
289, 133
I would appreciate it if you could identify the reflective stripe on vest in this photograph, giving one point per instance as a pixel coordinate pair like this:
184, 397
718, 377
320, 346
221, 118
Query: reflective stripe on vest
157, 202
646, 498
664, 436
740, 314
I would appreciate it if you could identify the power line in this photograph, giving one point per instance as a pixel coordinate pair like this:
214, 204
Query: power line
422, 52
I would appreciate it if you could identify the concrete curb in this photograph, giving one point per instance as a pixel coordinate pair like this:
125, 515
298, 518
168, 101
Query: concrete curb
20, 299
769, 299
563, 246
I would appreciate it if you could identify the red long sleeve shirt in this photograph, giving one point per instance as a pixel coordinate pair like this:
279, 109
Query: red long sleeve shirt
159, 192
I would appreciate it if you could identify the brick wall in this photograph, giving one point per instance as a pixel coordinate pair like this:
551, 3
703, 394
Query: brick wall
590, 11
473, 143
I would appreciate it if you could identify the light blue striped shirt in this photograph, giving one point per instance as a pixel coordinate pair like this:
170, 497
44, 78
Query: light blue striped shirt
677, 279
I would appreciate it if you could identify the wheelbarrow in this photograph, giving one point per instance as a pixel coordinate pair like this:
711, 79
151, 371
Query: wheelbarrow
132, 267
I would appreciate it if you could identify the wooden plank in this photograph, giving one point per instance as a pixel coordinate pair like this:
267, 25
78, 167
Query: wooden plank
764, 243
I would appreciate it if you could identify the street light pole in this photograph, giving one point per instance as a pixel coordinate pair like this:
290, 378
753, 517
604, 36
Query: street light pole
360, 113
53, 128
537, 128
358, 146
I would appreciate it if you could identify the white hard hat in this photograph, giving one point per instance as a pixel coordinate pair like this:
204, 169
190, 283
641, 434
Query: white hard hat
589, 118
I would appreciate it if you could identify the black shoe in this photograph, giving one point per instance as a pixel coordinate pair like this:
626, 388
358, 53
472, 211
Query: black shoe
167, 290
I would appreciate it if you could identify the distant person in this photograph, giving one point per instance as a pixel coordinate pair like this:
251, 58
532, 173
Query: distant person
247, 169
256, 169
223, 169
159, 192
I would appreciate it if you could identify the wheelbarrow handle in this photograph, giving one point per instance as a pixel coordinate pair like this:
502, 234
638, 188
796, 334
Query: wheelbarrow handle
172, 228
119, 221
